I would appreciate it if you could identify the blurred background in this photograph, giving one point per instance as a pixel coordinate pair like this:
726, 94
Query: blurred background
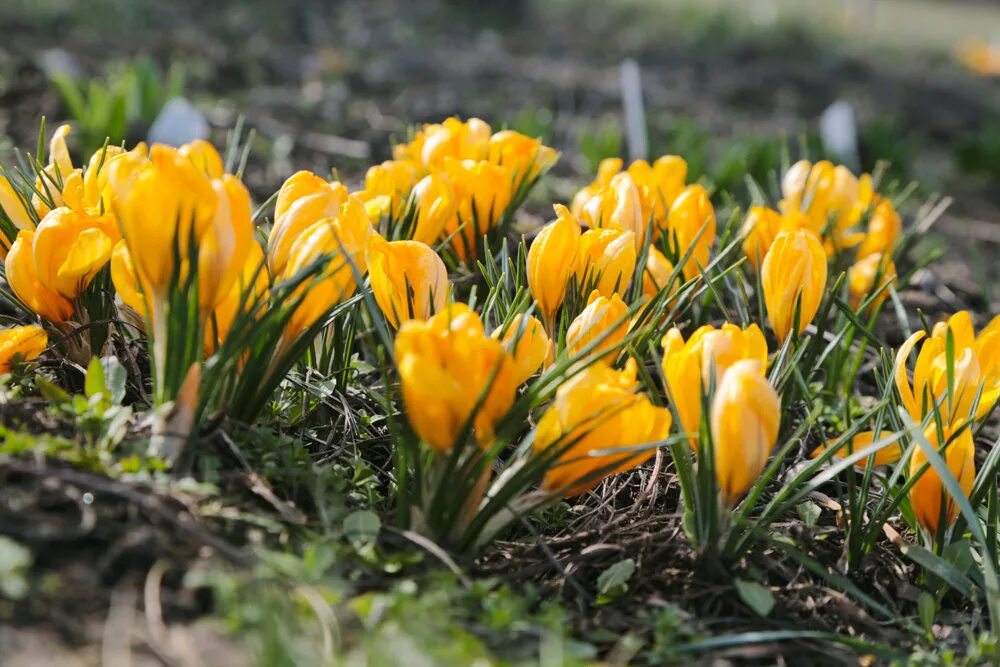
733, 86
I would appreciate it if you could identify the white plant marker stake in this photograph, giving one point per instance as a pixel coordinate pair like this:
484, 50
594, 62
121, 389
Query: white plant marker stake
632, 108
839, 132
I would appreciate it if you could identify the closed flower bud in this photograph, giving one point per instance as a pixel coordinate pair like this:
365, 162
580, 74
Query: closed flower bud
408, 279
531, 349
126, 281
12, 206
928, 493
603, 318
759, 229
794, 269
597, 410
303, 200
659, 185
434, 199
524, 156
204, 157
617, 206
452, 139
24, 343
746, 414
244, 296
605, 172
169, 205
691, 223
606, 261
387, 185
24, 282
861, 278
884, 228
222, 250
657, 274
344, 239
551, 259
69, 248
975, 366
445, 371
687, 365
483, 191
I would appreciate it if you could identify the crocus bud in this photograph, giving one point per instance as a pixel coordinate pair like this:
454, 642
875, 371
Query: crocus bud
12, 205
794, 268
483, 192
531, 349
24, 282
550, 262
657, 274
204, 157
884, 228
606, 261
222, 250
691, 222
303, 200
387, 186
687, 365
69, 248
746, 413
603, 318
434, 199
861, 278
24, 343
605, 172
169, 206
659, 185
408, 279
524, 156
928, 493
126, 281
444, 371
598, 409
618, 206
759, 229
344, 239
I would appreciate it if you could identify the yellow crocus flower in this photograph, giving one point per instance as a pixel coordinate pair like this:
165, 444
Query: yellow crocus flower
531, 349
746, 414
25, 342
597, 409
599, 317
928, 493
692, 214
795, 268
24, 282
408, 279
551, 259
445, 370
687, 365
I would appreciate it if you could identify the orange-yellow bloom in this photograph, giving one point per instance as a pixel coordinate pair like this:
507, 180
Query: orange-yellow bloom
69, 248
483, 192
25, 343
605, 261
434, 199
24, 282
596, 410
344, 240
976, 367
884, 228
692, 214
617, 206
606, 170
524, 156
687, 365
746, 414
863, 274
657, 274
453, 139
246, 293
445, 370
794, 269
387, 186
551, 259
531, 349
12, 205
303, 200
884, 456
408, 279
928, 493
762, 224
603, 318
